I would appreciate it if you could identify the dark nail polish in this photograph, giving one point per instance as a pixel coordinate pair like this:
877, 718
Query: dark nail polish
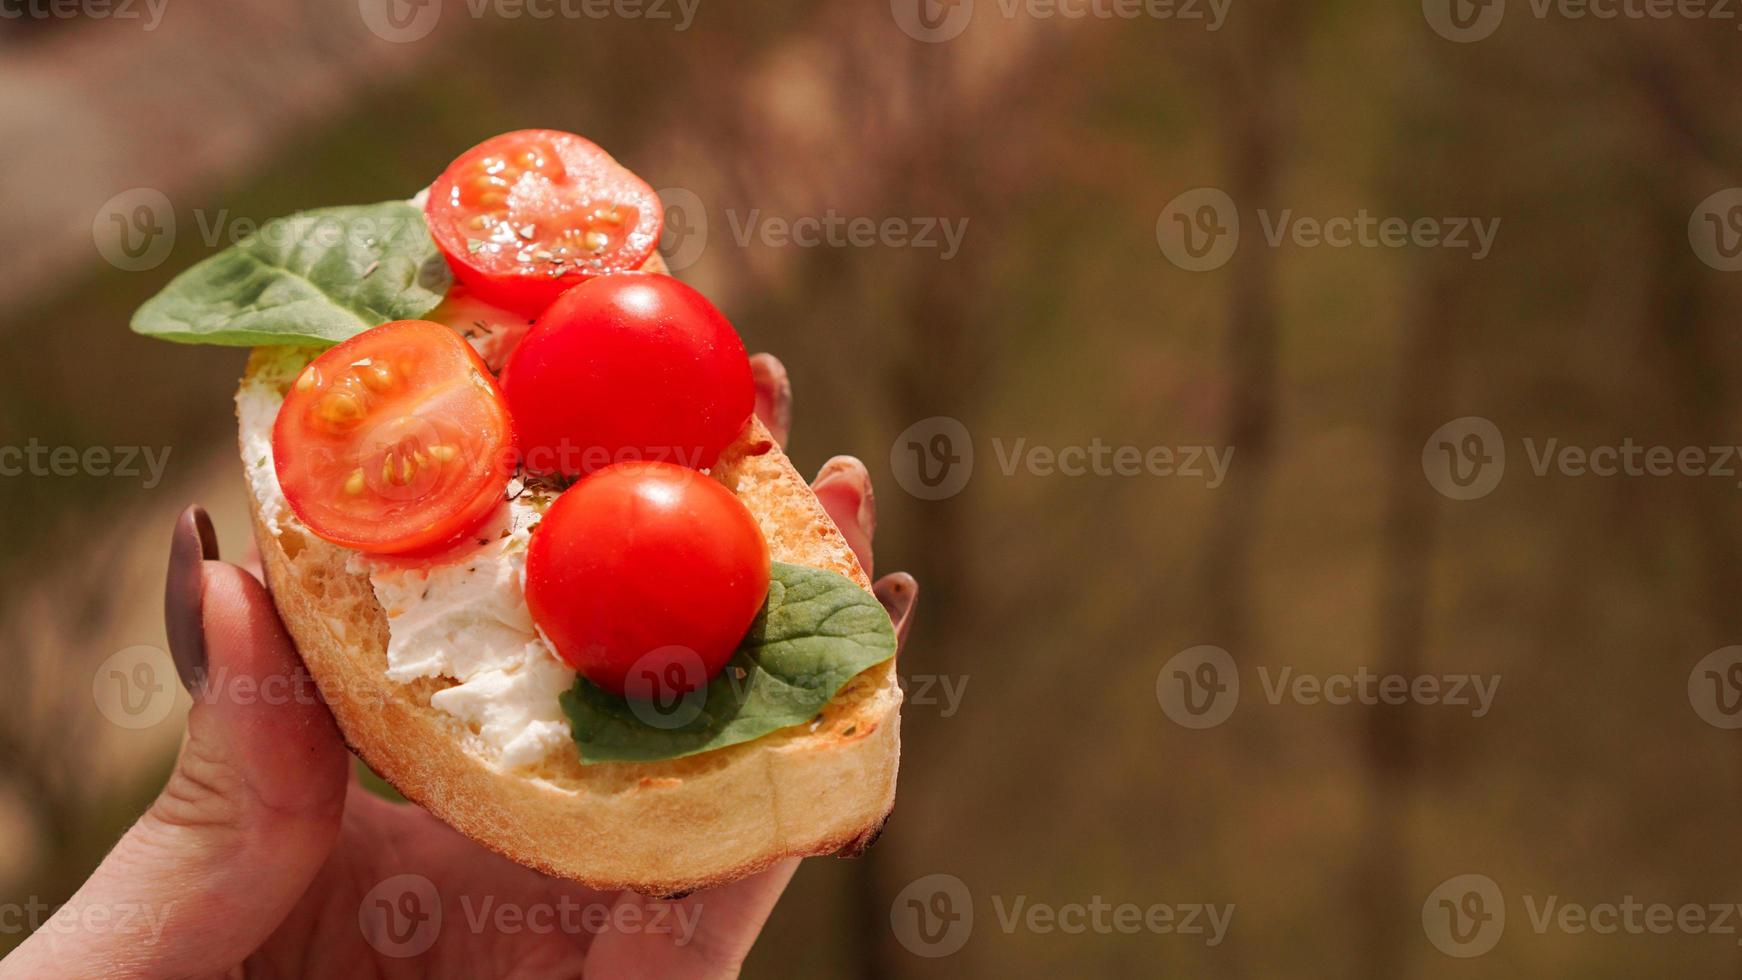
193, 544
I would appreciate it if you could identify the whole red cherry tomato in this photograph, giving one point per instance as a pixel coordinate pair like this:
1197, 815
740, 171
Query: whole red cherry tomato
645, 577
628, 366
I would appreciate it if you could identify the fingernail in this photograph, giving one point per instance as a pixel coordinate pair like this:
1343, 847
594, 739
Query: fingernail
193, 544
849, 483
773, 395
899, 593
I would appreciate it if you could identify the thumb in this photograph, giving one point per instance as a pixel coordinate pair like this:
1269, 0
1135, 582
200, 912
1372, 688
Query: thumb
247, 817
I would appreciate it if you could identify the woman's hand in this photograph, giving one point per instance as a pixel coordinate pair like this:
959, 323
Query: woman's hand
263, 855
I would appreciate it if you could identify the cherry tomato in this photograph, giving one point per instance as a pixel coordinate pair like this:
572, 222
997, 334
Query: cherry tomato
525, 215
645, 577
395, 441
630, 366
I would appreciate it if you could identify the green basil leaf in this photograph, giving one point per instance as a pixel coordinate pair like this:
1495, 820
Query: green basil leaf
816, 632
313, 278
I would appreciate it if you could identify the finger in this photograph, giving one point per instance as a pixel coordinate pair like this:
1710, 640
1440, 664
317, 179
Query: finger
773, 396
899, 593
250, 811
844, 487
710, 934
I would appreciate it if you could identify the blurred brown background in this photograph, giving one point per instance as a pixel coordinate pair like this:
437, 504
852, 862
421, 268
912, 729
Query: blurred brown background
1050, 603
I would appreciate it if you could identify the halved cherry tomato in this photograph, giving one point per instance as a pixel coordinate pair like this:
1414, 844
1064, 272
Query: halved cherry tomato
630, 366
395, 441
645, 577
525, 215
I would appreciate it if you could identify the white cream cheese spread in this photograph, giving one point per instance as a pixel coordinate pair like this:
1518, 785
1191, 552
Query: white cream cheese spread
463, 617
466, 618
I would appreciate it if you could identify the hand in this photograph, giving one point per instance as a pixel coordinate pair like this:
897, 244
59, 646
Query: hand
262, 849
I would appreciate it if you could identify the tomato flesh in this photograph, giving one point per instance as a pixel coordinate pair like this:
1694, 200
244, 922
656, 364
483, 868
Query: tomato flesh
629, 366
525, 215
645, 577
396, 441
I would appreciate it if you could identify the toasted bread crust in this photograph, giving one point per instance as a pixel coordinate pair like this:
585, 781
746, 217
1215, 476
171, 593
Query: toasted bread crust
658, 828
